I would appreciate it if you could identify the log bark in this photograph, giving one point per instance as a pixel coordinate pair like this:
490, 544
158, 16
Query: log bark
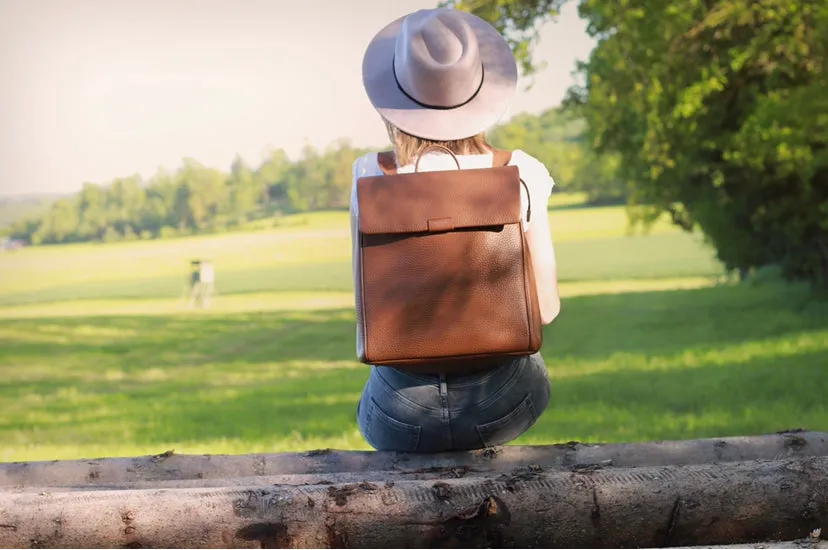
169, 466
806, 543
702, 504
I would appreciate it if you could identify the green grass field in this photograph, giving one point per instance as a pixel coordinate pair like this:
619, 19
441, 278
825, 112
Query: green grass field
98, 356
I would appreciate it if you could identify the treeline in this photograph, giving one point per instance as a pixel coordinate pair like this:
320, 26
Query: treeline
199, 199
196, 199
557, 138
20, 207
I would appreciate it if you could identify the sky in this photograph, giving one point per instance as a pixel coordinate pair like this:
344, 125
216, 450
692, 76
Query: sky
92, 90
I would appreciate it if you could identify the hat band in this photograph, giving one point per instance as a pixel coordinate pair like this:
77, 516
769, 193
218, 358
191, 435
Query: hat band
437, 107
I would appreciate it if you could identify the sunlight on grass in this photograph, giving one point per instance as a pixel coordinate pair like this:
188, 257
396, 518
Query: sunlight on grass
271, 259
779, 349
651, 344
288, 380
299, 301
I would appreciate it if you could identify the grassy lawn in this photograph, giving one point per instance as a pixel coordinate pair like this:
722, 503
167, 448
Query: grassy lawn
98, 358
312, 253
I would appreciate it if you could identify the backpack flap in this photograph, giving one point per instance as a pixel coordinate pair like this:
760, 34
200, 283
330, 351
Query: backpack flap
428, 202
444, 274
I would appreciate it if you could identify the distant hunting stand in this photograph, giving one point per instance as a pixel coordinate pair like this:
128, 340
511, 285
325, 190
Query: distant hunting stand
202, 283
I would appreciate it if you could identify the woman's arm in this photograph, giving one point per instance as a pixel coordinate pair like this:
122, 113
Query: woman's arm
538, 235
539, 239
354, 212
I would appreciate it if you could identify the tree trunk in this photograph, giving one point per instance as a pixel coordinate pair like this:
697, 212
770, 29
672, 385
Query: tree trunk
169, 466
702, 504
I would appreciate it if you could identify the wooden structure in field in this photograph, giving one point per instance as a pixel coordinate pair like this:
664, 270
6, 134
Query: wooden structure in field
665, 494
202, 283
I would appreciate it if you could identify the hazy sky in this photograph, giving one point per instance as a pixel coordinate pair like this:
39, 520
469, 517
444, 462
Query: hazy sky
95, 89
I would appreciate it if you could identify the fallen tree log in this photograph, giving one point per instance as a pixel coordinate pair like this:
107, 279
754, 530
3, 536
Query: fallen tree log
268, 481
703, 504
169, 466
809, 543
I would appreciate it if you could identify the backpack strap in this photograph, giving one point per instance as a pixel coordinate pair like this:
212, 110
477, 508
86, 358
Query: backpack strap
387, 162
503, 158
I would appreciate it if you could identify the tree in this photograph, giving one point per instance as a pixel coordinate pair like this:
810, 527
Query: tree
61, 222
517, 20
245, 192
271, 177
717, 112
202, 194
339, 159
553, 137
92, 205
599, 177
159, 208
125, 200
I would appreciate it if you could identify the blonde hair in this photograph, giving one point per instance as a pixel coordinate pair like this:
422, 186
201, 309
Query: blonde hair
407, 147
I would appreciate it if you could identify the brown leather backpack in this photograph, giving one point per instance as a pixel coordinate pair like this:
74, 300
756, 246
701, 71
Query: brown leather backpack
445, 281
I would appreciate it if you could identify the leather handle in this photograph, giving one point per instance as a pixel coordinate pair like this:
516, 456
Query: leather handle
528, 201
435, 146
388, 165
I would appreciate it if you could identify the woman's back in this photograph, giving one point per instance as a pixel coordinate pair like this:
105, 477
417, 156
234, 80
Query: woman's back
532, 171
538, 182
440, 77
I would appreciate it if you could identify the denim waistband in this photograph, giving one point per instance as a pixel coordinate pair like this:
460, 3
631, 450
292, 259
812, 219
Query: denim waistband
397, 377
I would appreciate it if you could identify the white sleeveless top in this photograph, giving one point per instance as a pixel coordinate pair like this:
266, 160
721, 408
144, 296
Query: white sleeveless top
532, 171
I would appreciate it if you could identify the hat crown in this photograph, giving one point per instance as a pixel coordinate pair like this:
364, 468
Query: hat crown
437, 59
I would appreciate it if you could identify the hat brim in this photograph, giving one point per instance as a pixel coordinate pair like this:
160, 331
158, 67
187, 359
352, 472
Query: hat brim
485, 109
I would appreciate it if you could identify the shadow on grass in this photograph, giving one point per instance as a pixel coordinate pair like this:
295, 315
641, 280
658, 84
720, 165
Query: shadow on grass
675, 364
712, 399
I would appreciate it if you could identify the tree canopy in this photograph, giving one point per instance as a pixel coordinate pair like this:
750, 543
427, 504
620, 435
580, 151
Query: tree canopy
517, 20
717, 112
196, 198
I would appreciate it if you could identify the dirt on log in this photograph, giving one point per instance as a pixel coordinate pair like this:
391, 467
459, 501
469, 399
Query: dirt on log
684, 505
170, 466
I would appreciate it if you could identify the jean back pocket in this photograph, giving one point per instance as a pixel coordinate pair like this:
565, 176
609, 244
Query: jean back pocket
510, 426
385, 433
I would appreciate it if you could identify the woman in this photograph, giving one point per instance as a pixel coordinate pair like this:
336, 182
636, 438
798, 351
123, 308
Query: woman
443, 76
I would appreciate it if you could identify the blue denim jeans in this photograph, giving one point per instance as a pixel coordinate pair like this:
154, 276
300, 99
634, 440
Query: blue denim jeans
407, 412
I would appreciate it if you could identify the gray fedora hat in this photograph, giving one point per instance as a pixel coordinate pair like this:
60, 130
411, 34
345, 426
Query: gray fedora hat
440, 74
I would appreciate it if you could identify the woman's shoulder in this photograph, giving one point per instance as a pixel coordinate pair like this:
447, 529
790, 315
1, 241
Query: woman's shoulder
366, 165
530, 164
532, 171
